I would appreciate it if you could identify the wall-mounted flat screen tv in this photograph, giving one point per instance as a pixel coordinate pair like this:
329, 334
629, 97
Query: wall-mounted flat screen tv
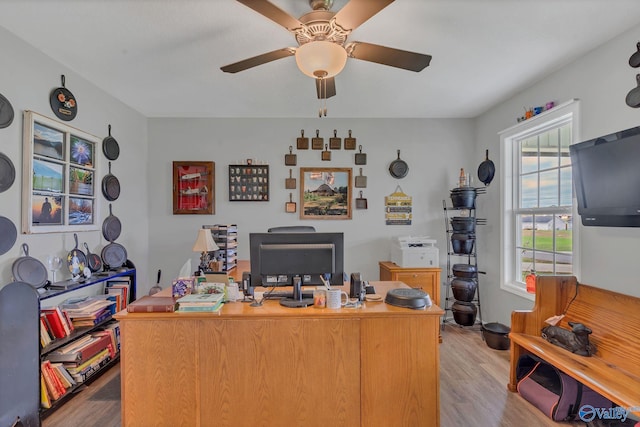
606, 176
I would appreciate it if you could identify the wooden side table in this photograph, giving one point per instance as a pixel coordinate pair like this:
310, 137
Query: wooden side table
427, 279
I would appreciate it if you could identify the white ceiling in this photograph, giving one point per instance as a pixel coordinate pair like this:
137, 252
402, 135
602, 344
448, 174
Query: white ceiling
163, 57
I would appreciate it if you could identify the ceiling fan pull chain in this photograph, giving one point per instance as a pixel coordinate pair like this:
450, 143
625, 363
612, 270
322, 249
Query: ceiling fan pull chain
325, 97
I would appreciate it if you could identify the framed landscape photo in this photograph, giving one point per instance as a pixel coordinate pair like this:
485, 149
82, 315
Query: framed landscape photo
80, 181
59, 173
47, 209
325, 193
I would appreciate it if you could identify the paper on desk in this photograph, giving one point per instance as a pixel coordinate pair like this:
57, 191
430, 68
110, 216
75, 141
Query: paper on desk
185, 271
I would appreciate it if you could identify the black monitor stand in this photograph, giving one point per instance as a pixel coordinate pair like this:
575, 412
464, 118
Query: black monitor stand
297, 301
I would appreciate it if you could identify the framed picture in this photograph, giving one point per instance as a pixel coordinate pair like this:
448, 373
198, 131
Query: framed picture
48, 142
194, 188
47, 210
325, 193
80, 211
82, 152
48, 176
59, 173
80, 181
249, 183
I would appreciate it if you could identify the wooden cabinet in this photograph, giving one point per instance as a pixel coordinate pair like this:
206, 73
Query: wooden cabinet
193, 188
427, 279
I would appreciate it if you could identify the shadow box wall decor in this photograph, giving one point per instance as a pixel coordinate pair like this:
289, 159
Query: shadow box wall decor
59, 177
325, 193
193, 188
248, 183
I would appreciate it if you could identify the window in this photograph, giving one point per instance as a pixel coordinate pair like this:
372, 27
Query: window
537, 198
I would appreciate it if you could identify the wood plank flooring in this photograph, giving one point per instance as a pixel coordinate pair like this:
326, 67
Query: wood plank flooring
473, 391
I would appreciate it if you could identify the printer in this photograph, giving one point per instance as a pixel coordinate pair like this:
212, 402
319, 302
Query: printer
414, 251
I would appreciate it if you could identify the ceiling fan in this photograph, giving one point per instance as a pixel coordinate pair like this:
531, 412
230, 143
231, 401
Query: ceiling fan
322, 41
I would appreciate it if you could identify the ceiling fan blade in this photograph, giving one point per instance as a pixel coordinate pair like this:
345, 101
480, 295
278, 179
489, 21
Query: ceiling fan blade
356, 12
258, 60
326, 88
273, 12
388, 56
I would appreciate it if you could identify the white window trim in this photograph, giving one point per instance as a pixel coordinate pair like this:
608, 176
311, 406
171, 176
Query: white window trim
549, 118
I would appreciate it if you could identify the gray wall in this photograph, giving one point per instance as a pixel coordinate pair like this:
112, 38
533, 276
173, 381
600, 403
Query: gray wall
601, 80
435, 150
26, 78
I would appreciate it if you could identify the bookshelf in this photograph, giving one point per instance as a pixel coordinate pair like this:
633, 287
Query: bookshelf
23, 361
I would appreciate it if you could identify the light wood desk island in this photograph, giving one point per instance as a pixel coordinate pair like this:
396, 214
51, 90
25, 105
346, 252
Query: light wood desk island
275, 366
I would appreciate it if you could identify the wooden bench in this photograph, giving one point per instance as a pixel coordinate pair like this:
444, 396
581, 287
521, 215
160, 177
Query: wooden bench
614, 318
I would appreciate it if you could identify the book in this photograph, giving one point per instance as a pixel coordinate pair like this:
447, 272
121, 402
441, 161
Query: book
199, 300
105, 314
45, 338
108, 335
63, 375
83, 352
45, 399
81, 372
202, 309
114, 329
152, 304
74, 368
122, 285
89, 371
91, 310
54, 387
56, 321
76, 303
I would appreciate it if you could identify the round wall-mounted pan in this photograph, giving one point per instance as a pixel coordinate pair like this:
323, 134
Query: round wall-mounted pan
63, 104
111, 227
8, 234
6, 112
114, 255
110, 186
110, 147
486, 170
30, 270
7, 173
398, 168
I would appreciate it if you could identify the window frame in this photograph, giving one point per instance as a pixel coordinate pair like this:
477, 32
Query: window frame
509, 189
63, 163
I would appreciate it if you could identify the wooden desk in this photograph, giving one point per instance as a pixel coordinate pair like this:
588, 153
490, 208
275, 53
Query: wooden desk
277, 366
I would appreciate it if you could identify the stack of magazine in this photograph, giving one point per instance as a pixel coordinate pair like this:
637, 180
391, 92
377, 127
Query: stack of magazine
200, 302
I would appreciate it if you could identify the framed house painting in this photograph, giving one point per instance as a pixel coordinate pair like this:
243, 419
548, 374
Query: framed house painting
325, 193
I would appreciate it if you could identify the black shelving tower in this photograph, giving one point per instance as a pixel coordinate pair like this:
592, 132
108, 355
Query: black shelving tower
453, 257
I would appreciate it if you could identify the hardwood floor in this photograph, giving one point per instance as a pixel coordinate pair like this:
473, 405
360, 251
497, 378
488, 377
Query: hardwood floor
473, 391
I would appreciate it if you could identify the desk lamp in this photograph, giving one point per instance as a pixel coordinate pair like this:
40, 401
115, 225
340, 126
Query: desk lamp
204, 244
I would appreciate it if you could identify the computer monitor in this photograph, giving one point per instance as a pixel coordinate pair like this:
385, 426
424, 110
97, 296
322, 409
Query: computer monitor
277, 258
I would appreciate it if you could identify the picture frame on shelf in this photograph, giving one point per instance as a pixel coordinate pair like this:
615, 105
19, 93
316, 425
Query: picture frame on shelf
193, 188
59, 172
325, 193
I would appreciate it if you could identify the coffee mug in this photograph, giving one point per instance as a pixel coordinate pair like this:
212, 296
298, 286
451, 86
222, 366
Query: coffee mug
335, 298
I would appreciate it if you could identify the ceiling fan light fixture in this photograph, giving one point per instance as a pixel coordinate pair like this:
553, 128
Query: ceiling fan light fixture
321, 58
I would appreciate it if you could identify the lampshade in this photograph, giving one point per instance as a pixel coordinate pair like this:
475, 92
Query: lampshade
321, 59
204, 242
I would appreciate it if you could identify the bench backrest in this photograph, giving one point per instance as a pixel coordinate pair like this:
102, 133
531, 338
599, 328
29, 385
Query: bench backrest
614, 318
